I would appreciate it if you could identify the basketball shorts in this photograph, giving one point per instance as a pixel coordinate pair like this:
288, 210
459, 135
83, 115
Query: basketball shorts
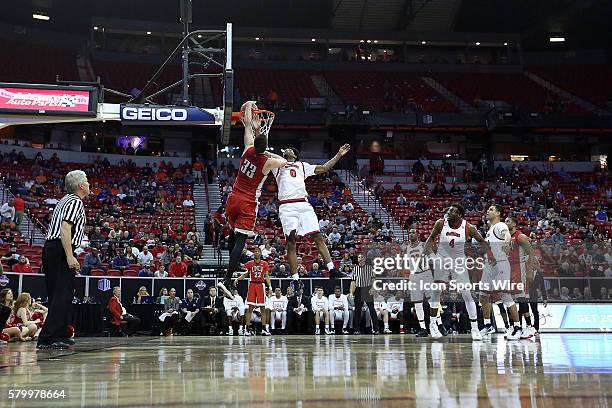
241, 214
497, 276
447, 269
299, 217
256, 295
422, 282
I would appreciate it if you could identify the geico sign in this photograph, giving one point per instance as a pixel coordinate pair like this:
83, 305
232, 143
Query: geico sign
154, 114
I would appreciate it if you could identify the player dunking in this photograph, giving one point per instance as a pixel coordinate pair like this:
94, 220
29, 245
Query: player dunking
255, 165
452, 232
259, 272
523, 265
498, 270
295, 212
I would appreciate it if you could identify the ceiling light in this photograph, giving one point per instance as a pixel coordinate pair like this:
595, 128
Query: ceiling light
375, 41
148, 33
96, 28
361, 41
313, 39
199, 35
505, 43
39, 16
477, 43
329, 49
557, 39
369, 41
423, 42
256, 38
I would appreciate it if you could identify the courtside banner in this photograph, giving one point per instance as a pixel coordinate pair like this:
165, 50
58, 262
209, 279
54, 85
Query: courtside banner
165, 115
34, 99
576, 316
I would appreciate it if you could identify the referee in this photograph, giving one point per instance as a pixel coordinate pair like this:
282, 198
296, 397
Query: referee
59, 263
363, 276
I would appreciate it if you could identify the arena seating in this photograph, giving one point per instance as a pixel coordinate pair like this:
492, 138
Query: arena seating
592, 82
103, 177
514, 89
33, 63
388, 91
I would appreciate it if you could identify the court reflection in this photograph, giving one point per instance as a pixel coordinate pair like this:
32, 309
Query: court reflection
383, 370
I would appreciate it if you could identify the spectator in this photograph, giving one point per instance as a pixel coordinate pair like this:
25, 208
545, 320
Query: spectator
23, 266
178, 268
92, 261
565, 294
161, 272
19, 205
120, 261
213, 311
12, 256
401, 200
334, 237
96, 237
348, 206
558, 237
7, 211
193, 268
188, 202
145, 258
315, 272
145, 272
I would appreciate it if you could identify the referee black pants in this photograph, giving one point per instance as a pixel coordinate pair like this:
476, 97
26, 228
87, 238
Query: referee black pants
363, 295
60, 282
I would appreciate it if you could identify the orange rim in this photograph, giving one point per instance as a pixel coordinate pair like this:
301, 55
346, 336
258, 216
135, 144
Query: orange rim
237, 115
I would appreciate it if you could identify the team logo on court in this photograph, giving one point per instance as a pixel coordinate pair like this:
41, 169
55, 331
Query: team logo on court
104, 285
200, 285
4, 280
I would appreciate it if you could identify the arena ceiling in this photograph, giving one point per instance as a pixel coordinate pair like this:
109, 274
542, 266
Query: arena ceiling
585, 23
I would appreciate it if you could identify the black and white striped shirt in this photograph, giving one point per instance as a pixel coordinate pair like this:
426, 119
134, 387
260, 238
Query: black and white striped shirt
69, 209
363, 275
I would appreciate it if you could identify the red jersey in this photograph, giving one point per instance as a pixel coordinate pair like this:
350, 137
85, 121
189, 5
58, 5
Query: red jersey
250, 175
518, 261
257, 271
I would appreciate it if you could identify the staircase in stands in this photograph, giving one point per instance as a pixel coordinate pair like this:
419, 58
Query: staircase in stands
370, 204
204, 207
27, 228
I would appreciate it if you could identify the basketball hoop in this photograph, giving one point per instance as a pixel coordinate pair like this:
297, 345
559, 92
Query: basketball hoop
262, 121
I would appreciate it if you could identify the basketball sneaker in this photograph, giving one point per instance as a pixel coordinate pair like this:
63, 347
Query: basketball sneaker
423, 333
344, 331
249, 332
230, 332
528, 332
387, 331
335, 274
317, 331
265, 332
241, 331
443, 330
487, 331
476, 336
328, 332
402, 330
515, 334
435, 332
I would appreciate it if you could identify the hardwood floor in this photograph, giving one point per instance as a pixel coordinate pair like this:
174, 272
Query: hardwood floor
566, 370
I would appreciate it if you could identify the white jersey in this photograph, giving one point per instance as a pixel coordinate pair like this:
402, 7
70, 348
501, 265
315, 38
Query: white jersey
498, 244
319, 304
451, 243
338, 302
380, 303
416, 255
230, 304
277, 303
395, 304
291, 180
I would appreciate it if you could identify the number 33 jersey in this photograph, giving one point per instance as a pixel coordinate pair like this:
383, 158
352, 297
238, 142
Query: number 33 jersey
290, 180
250, 175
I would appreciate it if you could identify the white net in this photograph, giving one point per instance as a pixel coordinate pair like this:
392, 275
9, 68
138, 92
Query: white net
262, 122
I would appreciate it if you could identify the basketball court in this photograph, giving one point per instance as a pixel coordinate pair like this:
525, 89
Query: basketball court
342, 371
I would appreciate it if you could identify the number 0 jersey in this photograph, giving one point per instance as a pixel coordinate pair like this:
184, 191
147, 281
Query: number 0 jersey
250, 175
291, 180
